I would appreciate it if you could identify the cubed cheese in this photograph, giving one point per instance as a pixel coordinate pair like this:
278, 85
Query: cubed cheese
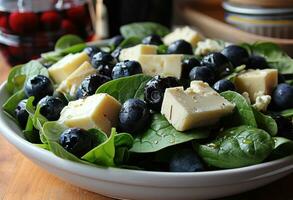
208, 46
185, 33
64, 67
72, 82
257, 82
164, 65
262, 102
97, 111
197, 106
133, 53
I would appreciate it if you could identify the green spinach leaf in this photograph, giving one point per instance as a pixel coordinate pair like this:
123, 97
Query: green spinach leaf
125, 88
129, 42
274, 55
67, 41
19, 74
265, 122
143, 29
237, 147
161, 134
243, 113
10, 105
283, 147
287, 113
162, 49
30, 134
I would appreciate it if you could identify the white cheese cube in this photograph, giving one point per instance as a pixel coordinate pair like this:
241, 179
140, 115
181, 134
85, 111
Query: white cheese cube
197, 106
262, 102
257, 82
208, 46
72, 82
185, 33
64, 67
133, 53
97, 111
164, 65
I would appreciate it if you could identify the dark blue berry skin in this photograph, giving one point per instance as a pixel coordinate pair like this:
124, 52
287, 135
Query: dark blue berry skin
218, 63
180, 47
134, 116
152, 39
155, 89
103, 62
256, 62
116, 40
283, 96
185, 160
21, 114
38, 86
285, 126
187, 66
236, 55
51, 107
203, 73
90, 84
90, 51
224, 85
126, 68
76, 141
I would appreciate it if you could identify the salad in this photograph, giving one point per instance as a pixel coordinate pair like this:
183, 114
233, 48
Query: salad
152, 99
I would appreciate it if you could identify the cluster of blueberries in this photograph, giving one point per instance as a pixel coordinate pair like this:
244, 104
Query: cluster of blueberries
135, 114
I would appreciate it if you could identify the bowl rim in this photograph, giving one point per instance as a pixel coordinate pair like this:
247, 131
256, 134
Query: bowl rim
84, 170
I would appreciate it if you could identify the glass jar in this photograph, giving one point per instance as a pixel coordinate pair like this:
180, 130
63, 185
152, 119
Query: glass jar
31, 27
272, 18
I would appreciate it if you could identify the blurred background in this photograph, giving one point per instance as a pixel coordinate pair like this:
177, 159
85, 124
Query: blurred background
30, 27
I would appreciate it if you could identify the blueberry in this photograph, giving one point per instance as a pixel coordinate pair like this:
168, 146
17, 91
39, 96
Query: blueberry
103, 62
38, 86
285, 126
218, 63
21, 113
236, 55
90, 84
180, 47
224, 85
116, 40
155, 89
187, 66
256, 62
203, 73
90, 51
152, 39
51, 107
76, 141
282, 96
134, 116
126, 68
185, 160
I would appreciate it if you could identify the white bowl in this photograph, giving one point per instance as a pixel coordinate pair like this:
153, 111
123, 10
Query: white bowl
133, 184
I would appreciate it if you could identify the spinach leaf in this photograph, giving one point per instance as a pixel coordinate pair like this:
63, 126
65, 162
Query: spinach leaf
161, 134
125, 88
274, 55
123, 142
19, 74
31, 134
287, 113
237, 147
162, 49
283, 147
10, 105
67, 41
143, 29
129, 42
265, 122
243, 113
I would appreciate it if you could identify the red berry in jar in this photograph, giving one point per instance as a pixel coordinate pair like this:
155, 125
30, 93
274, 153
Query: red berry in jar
23, 23
76, 14
4, 23
68, 26
50, 20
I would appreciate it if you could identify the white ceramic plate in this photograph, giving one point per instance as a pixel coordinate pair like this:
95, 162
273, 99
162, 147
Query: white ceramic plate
132, 184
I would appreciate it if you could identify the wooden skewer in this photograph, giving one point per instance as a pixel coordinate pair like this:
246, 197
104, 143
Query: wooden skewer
213, 28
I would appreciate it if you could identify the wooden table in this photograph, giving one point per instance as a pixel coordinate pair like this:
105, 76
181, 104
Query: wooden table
22, 179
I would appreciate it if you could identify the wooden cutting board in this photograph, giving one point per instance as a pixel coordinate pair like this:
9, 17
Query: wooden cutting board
22, 179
